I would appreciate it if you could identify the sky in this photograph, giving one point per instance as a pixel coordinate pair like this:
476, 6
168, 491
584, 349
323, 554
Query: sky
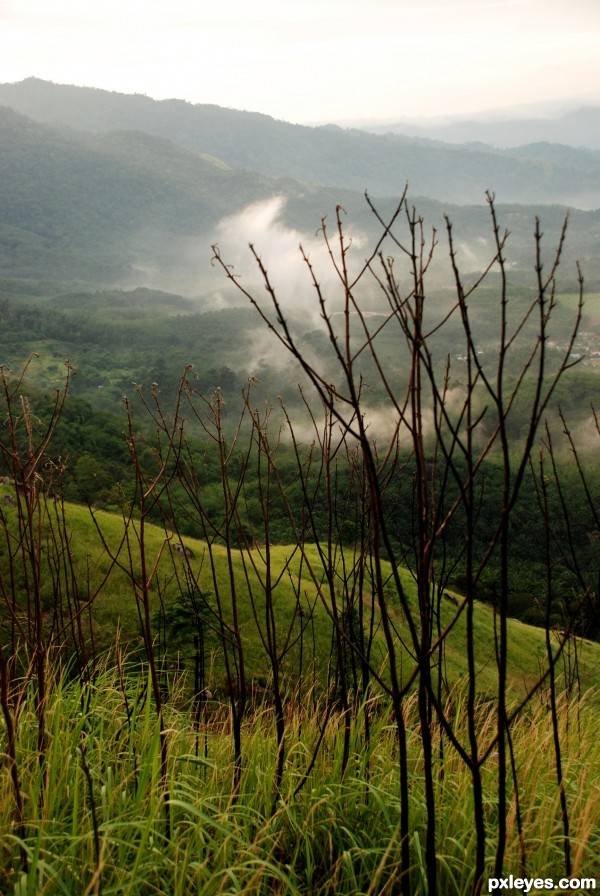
311, 61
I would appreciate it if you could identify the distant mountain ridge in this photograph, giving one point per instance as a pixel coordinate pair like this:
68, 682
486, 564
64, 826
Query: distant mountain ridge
104, 208
575, 128
127, 207
329, 155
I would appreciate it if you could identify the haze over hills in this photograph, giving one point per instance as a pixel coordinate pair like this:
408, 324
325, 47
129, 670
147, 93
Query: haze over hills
579, 127
130, 208
128, 191
329, 156
98, 208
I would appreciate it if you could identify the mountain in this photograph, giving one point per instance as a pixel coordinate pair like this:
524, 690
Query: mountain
575, 128
110, 208
129, 208
327, 156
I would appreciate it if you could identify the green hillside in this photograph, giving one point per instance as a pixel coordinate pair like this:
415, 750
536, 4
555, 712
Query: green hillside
127, 208
330, 156
115, 608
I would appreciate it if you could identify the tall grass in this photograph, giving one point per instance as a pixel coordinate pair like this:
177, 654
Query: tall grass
94, 819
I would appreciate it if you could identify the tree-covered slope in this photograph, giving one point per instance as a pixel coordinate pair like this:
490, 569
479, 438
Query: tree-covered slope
96, 207
133, 209
328, 155
114, 607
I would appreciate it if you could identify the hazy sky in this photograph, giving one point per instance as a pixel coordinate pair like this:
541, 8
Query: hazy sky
313, 60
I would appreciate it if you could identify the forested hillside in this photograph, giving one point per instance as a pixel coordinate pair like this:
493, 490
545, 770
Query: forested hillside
132, 209
328, 156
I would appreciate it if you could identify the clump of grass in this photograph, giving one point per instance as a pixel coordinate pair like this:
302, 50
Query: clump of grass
94, 804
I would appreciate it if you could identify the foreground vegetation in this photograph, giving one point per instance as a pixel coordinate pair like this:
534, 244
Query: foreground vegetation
94, 804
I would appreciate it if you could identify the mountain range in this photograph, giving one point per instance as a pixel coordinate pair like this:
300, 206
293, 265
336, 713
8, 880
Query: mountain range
106, 188
328, 155
577, 127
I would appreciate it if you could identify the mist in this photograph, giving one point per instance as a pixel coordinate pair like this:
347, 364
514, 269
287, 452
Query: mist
279, 248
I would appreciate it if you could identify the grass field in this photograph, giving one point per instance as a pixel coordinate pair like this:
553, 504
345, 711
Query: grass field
95, 818
114, 608
116, 798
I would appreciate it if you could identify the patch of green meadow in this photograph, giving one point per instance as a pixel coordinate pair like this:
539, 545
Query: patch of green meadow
116, 606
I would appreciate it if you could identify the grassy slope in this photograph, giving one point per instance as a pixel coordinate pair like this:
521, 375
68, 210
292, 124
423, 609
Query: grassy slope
339, 835
115, 606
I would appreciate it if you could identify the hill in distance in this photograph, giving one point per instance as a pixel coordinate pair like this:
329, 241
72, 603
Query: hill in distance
132, 208
328, 156
577, 127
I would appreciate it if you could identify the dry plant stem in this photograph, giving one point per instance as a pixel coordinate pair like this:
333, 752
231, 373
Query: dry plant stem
208, 414
95, 828
257, 557
23, 451
150, 486
142, 596
552, 677
237, 684
448, 484
571, 555
513, 467
44, 617
11, 755
357, 427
